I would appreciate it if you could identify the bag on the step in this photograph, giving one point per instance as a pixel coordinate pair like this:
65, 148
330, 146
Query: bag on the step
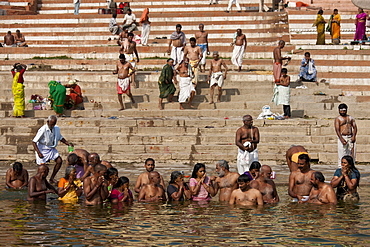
368, 23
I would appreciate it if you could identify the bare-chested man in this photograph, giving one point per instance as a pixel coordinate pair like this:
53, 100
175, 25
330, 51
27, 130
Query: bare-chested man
153, 191
265, 185
346, 129
195, 55
245, 195
9, 39
96, 187
247, 137
94, 159
178, 42
128, 48
278, 61
240, 45
123, 83
321, 192
299, 181
16, 177
187, 90
215, 76
202, 41
226, 181
143, 178
82, 162
20, 40
292, 156
38, 186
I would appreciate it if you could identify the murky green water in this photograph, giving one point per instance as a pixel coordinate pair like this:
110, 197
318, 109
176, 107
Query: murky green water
191, 224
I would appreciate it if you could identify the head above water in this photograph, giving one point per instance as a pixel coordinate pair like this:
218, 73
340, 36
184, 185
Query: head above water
197, 167
266, 172
17, 167
72, 159
149, 164
69, 171
100, 169
43, 170
122, 181
174, 176
303, 162
94, 159
154, 177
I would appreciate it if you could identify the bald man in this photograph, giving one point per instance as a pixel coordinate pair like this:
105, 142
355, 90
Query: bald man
265, 185
94, 159
96, 187
38, 186
153, 191
292, 156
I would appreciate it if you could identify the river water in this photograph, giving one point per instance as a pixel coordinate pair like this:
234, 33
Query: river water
189, 224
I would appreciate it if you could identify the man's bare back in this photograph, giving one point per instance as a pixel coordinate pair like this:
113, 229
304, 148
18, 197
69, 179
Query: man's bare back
289, 153
9, 39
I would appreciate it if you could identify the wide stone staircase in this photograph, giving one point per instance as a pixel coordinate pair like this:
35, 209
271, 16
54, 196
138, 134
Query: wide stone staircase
64, 46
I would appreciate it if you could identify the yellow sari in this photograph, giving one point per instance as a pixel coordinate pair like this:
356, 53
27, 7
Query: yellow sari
335, 27
320, 27
18, 93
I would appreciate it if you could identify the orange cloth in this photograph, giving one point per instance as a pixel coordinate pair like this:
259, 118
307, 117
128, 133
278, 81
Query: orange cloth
144, 16
301, 4
76, 95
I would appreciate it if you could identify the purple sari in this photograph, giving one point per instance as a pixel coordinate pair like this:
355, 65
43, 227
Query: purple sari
361, 26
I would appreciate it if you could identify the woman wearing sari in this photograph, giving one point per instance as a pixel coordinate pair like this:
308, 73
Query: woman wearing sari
75, 94
165, 83
334, 27
57, 96
18, 90
360, 24
320, 27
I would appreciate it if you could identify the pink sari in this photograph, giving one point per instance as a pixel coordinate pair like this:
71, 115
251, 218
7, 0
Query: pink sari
360, 26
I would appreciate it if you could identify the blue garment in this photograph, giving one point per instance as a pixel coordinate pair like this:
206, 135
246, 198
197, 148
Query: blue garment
203, 47
304, 71
353, 174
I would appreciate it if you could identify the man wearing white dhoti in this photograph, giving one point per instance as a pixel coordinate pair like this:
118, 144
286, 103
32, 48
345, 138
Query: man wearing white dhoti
45, 143
247, 138
282, 93
240, 45
216, 77
176, 45
346, 129
187, 90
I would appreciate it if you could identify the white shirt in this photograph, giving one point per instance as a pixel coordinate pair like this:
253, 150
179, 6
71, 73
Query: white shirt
129, 18
47, 137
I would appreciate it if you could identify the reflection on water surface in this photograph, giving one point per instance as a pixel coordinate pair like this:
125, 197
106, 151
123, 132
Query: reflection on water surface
189, 224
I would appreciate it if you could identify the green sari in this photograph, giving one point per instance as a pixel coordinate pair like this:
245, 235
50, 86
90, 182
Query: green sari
165, 83
57, 96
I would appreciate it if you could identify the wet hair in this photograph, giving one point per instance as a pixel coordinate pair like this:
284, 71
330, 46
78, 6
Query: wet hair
121, 181
342, 106
17, 166
130, 34
244, 178
178, 25
193, 39
196, 169
122, 56
255, 165
170, 59
284, 70
72, 159
174, 176
69, 169
99, 167
110, 172
223, 163
320, 12
351, 164
307, 54
319, 176
304, 157
149, 159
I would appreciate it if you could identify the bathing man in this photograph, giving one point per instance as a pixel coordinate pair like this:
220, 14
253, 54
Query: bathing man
143, 178
346, 129
96, 187
265, 185
299, 181
292, 156
245, 195
226, 181
153, 191
321, 192
38, 186
246, 139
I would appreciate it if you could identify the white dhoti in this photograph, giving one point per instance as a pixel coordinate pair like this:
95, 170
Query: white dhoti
217, 78
47, 152
237, 58
145, 34
131, 59
186, 87
177, 54
281, 95
245, 159
123, 84
348, 149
